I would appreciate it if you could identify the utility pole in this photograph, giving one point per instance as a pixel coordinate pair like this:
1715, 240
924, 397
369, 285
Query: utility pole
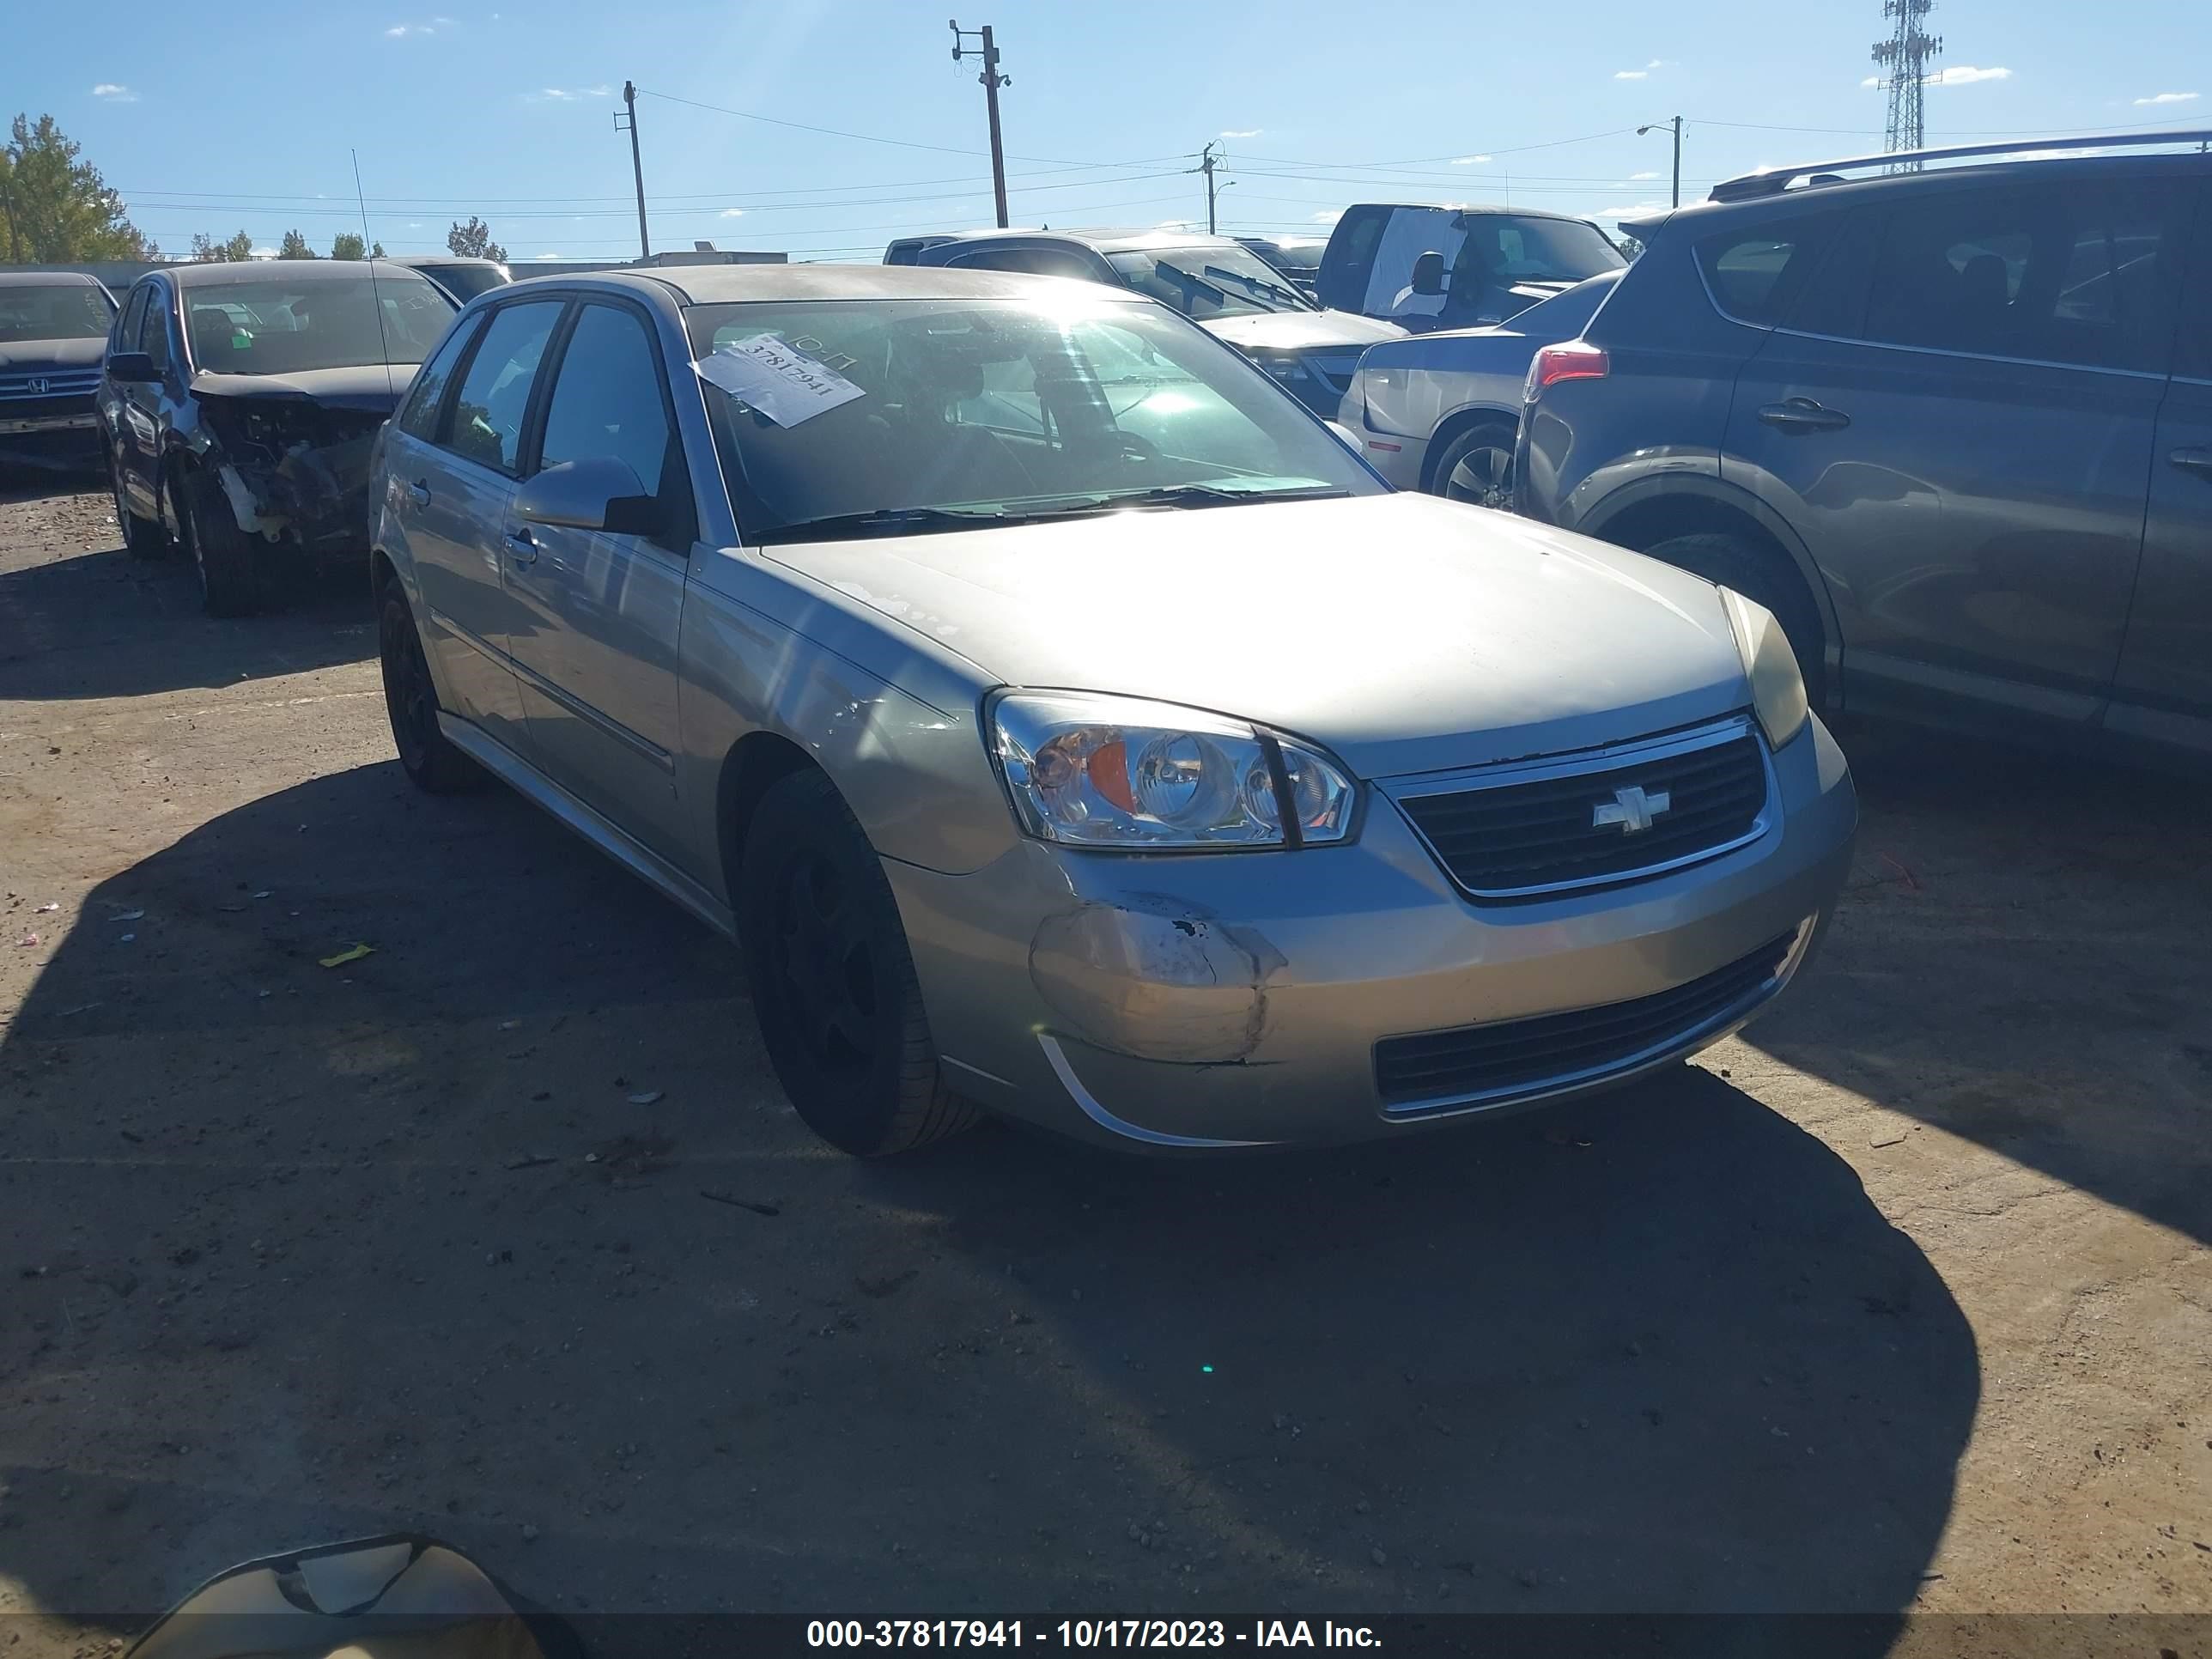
1208, 162
991, 81
629, 121
1676, 123
1905, 55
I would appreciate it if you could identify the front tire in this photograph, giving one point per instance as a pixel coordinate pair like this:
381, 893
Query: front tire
410, 699
222, 554
1477, 467
833, 981
142, 539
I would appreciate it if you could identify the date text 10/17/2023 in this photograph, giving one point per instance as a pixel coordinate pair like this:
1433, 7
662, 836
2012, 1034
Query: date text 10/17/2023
1087, 1633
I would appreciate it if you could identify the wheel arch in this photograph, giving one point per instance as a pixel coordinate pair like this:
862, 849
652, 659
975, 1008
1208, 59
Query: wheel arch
1643, 515
1453, 425
757, 761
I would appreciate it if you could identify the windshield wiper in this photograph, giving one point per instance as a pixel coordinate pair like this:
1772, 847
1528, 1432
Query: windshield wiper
888, 520
1297, 302
1207, 494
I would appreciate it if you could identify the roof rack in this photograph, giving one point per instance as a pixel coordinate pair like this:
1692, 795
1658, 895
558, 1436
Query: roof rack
1774, 180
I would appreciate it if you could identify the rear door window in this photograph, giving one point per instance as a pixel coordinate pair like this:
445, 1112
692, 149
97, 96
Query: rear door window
426, 398
2085, 271
494, 399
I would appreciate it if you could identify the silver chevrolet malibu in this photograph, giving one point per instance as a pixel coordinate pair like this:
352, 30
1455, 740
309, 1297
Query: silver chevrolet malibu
1067, 724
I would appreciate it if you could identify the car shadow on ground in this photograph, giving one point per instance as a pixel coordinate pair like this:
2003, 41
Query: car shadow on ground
104, 624
2022, 963
504, 1226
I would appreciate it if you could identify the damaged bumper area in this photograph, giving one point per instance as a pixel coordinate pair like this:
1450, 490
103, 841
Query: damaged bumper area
1340, 993
296, 473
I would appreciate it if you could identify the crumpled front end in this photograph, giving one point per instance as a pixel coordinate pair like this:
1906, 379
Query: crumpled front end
294, 472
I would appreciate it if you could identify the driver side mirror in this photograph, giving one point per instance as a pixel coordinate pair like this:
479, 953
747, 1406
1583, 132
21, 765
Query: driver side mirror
1429, 273
131, 366
597, 493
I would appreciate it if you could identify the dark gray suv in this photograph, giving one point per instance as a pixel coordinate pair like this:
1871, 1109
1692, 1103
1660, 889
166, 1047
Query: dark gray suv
1953, 426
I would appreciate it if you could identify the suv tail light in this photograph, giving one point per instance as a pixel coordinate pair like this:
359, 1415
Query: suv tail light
1572, 360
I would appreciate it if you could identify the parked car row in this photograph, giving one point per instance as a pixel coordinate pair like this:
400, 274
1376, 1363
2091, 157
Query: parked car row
1071, 722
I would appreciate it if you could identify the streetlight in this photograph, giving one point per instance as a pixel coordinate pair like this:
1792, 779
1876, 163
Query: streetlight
1676, 123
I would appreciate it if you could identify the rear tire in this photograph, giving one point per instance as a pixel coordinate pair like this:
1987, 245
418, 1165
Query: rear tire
222, 554
834, 985
142, 539
1763, 574
410, 699
1477, 467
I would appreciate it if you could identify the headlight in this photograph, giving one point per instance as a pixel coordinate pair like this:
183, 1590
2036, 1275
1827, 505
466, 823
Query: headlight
1777, 689
1116, 772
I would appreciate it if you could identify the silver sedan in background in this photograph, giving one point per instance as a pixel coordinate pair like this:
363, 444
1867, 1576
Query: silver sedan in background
1438, 411
1067, 725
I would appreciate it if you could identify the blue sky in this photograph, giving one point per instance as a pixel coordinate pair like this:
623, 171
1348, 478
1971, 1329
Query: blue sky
242, 116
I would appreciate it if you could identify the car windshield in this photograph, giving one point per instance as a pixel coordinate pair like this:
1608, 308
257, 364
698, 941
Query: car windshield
56, 311
863, 416
288, 328
1208, 281
1502, 247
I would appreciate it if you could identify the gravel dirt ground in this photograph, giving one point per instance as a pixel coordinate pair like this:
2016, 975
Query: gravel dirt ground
1900, 1304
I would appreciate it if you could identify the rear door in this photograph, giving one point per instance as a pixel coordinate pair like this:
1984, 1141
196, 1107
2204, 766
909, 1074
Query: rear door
1957, 417
595, 644
458, 484
2164, 689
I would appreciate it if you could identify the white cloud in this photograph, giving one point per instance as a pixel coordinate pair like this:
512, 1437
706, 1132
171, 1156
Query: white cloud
1328, 216
1965, 74
414, 224
570, 94
1606, 216
1247, 132
733, 213
114, 93
401, 31
546, 256
2155, 98
1638, 178
1468, 161
1631, 74
1872, 80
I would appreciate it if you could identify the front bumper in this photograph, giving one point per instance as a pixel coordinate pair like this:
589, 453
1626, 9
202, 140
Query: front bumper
1235, 999
58, 437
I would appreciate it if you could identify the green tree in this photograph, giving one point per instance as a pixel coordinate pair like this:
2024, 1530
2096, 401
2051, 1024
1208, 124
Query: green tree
55, 208
473, 241
231, 249
294, 247
348, 244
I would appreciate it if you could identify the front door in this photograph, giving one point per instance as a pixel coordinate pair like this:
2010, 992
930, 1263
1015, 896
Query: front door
454, 462
1957, 415
598, 613
2164, 690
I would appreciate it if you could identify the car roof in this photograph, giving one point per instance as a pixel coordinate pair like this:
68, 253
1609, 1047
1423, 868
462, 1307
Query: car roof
442, 261
48, 279
1474, 207
1104, 241
1742, 199
226, 272
723, 284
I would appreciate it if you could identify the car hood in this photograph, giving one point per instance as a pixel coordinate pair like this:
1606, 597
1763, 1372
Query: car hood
1404, 633
374, 388
1301, 330
52, 354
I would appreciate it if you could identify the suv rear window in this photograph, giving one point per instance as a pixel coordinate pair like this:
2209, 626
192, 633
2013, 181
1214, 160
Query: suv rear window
1753, 274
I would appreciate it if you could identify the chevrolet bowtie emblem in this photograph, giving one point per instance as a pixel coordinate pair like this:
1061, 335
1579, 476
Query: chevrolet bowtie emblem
1630, 808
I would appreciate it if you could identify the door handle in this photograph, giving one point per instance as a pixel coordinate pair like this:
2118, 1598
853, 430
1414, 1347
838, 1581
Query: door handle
521, 548
2196, 461
421, 492
1797, 416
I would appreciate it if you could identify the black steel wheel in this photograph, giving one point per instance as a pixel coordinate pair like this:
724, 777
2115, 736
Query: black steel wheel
410, 701
833, 981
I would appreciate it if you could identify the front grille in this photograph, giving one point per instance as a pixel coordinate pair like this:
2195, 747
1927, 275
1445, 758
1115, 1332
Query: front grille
40, 408
1516, 1057
1570, 827
62, 387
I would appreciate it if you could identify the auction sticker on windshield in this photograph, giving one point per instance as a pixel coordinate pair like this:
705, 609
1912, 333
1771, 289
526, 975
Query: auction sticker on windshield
781, 382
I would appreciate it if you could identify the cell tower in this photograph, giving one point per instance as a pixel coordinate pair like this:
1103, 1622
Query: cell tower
1906, 56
